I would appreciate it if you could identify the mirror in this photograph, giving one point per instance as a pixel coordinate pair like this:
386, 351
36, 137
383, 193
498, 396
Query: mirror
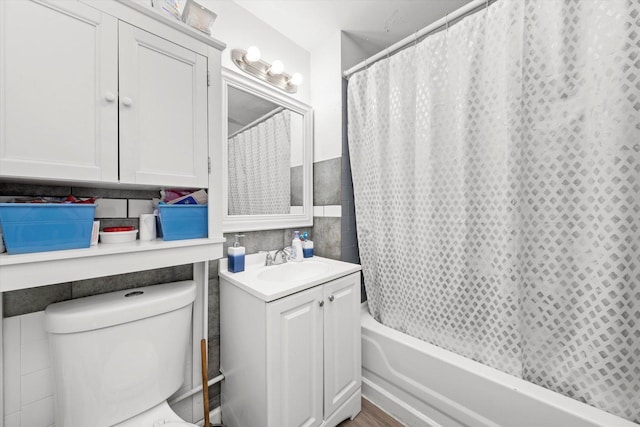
268, 163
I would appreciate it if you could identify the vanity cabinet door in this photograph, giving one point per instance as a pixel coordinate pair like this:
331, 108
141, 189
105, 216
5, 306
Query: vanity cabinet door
294, 365
342, 361
58, 91
163, 111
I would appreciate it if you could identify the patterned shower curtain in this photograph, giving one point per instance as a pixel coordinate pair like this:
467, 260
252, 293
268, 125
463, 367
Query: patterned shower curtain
496, 170
260, 168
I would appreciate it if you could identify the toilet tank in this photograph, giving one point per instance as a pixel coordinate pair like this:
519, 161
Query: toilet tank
119, 354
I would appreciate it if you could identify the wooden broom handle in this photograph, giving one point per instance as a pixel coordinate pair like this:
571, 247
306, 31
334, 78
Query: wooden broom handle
205, 386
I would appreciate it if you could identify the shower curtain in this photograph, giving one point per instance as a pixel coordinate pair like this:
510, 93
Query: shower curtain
260, 168
496, 171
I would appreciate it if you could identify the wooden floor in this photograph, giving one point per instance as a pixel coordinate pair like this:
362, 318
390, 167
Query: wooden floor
371, 416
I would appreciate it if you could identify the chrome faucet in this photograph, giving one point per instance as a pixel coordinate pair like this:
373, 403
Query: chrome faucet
284, 256
268, 260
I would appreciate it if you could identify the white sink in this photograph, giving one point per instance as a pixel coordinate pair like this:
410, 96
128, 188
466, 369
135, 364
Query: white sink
291, 271
269, 283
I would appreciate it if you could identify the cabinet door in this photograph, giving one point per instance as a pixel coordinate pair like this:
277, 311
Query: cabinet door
294, 360
163, 111
58, 89
342, 364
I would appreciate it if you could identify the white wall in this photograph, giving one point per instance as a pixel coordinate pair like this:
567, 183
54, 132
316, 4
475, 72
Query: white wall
353, 52
338, 53
326, 98
238, 28
27, 373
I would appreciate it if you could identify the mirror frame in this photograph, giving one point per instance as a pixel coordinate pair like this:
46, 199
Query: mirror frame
236, 223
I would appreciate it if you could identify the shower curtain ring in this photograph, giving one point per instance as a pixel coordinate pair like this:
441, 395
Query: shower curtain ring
446, 22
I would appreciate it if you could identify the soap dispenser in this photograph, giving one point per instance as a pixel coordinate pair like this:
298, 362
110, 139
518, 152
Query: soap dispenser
307, 246
236, 256
296, 247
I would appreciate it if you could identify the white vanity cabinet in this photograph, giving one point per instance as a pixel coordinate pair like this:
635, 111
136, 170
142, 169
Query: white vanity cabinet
87, 96
291, 361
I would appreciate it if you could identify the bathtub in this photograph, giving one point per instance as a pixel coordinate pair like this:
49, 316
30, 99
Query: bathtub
423, 385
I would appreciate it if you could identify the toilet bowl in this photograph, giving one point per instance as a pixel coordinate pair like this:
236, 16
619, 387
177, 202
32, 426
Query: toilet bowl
117, 357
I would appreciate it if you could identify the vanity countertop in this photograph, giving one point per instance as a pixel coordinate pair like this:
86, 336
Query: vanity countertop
270, 283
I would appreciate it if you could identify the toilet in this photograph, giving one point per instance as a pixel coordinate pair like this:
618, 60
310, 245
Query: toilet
117, 357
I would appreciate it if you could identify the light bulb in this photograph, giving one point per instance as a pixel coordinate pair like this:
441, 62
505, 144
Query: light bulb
296, 79
276, 68
252, 55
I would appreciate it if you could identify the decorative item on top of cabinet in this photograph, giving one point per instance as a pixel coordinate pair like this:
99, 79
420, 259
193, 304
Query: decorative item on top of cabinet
168, 7
98, 99
290, 348
198, 17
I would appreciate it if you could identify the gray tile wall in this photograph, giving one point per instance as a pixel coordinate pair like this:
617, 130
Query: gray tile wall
297, 183
326, 182
266, 240
327, 237
25, 301
213, 343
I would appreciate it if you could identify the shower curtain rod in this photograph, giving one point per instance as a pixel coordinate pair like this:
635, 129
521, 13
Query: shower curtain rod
257, 121
467, 9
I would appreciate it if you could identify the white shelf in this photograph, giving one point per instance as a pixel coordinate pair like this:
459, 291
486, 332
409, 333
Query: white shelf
45, 268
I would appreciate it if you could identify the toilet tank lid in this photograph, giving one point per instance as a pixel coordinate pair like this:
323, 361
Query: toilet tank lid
114, 308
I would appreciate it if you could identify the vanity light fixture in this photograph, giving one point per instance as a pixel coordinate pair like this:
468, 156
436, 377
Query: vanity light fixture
250, 62
252, 55
276, 68
296, 79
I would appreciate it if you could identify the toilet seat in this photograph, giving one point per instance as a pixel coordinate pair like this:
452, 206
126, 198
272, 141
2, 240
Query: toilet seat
159, 416
176, 424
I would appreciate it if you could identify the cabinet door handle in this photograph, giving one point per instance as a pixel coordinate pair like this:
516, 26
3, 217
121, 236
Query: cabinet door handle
110, 96
321, 303
331, 298
127, 102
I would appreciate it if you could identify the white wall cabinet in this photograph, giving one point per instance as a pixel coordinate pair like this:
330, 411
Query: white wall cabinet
87, 97
58, 91
163, 111
294, 361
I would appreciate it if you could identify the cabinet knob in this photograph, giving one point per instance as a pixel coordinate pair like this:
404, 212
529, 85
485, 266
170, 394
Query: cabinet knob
331, 298
321, 303
127, 102
110, 96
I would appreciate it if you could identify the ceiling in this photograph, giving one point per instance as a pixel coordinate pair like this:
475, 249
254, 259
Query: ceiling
373, 24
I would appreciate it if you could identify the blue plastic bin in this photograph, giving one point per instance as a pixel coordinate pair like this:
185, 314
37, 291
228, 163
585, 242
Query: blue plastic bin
178, 222
41, 227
